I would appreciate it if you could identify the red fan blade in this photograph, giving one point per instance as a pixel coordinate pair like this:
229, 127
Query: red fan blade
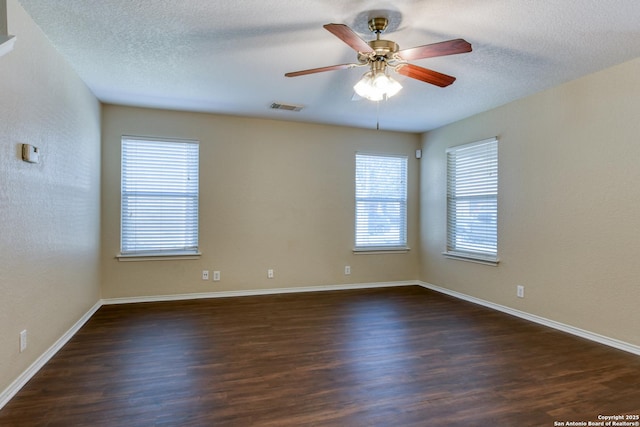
347, 35
450, 47
425, 75
319, 70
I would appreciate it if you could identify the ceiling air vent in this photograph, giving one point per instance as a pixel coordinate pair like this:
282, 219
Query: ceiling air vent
288, 107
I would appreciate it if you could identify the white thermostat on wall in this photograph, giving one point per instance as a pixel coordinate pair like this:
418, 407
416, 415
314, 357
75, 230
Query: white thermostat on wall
30, 153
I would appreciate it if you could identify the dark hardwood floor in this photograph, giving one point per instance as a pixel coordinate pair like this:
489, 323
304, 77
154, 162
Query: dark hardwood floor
402, 356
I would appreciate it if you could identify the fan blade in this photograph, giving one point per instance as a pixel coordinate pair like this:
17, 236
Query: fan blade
425, 75
319, 70
450, 47
347, 35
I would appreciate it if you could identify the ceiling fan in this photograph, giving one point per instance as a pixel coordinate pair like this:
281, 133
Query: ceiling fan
380, 55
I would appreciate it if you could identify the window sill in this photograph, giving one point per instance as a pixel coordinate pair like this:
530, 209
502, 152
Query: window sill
158, 257
479, 259
380, 251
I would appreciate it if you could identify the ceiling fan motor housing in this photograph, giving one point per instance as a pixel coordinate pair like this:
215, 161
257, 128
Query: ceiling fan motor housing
384, 47
383, 50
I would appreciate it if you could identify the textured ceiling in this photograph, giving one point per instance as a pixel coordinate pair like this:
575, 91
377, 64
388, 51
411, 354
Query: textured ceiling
230, 57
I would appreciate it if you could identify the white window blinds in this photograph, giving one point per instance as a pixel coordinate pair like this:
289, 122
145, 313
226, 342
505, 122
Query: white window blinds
159, 197
381, 201
472, 199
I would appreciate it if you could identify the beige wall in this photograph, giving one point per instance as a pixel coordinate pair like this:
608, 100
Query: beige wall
569, 204
280, 195
273, 194
49, 227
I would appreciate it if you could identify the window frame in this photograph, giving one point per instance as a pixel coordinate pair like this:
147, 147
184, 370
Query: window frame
191, 248
401, 245
488, 192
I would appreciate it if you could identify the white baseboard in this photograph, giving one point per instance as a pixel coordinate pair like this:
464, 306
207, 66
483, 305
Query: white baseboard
253, 292
592, 336
19, 382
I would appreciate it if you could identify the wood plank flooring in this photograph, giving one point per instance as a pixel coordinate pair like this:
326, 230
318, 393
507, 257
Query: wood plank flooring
401, 356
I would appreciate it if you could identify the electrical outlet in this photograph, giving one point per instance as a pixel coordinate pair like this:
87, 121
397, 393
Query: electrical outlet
520, 291
205, 274
347, 270
23, 341
216, 276
270, 273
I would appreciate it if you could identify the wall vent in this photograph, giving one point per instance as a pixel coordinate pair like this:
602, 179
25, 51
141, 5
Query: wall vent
288, 107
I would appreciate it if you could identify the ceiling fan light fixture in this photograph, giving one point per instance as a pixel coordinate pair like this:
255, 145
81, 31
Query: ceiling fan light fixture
386, 84
375, 87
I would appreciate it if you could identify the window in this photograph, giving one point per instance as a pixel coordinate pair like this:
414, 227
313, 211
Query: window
472, 201
381, 202
159, 206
